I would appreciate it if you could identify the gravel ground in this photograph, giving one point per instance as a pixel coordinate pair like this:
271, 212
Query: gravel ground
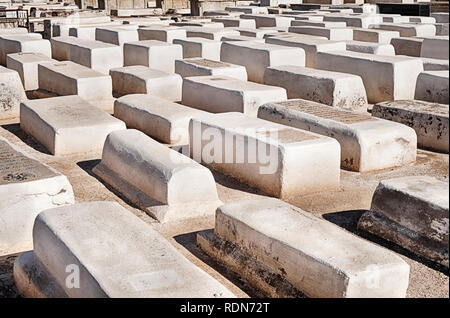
342, 207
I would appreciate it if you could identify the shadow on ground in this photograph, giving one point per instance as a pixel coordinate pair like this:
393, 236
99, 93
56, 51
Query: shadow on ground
24, 137
349, 221
189, 241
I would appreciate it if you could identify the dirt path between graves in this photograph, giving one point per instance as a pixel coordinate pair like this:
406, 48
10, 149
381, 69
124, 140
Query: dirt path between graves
343, 207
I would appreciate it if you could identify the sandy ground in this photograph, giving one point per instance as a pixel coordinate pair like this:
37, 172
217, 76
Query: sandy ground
342, 207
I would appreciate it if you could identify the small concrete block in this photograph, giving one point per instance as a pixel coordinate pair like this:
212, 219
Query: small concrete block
140, 79
160, 119
276, 167
256, 33
215, 34
157, 55
242, 38
23, 43
26, 64
310, 44
441, 17
268, 20
413, 213
164, 34
256, 57
204, 67
359, 21
432, 86
218, 94
436, 47
371, 48
116, 35
409, 29
69, 78
200, 47
333, 34
374, 35
407, 46
67, 124
335, 89
236, 22
161, 181
27, 187
429, 120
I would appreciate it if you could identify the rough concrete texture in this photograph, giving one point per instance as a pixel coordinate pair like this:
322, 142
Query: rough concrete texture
335, 89
316, 257
412, 212
382, 83
67, 124
429, 120
161, 181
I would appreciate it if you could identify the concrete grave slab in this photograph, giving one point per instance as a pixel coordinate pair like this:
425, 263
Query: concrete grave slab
367, 143
140, 79
11, 93
236, 22
23, 43
164, 34
215, 34
333, 34
408, 29
311, 45
371, 48
432, 86
99, 56
67, 124
119, 256
200, 47
157, 55
256, 57
218, 94
116, 35
162, 182
27, 187
382, 83
316, 257
26, 64
299, 162
335, 89
411, 46
413, 213
429, 120
374, 35
436, 48
69, 78
204, 67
